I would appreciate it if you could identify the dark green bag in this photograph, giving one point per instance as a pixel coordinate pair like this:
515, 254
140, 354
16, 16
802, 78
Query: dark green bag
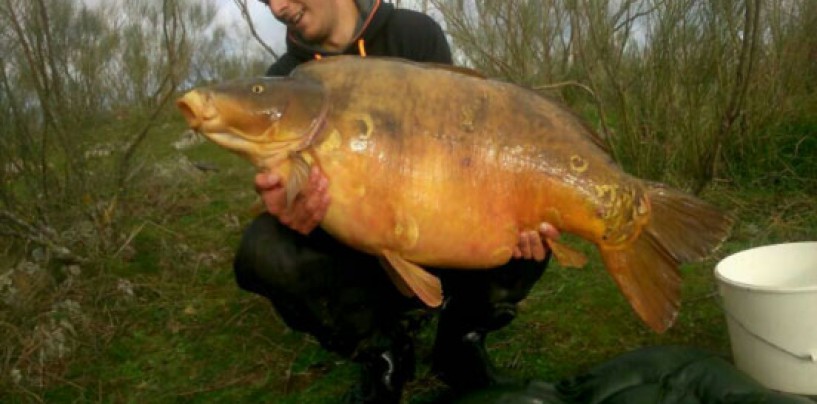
657, 375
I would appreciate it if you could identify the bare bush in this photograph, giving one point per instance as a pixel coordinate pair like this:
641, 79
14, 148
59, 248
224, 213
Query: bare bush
688, 86
75, 79
81, 89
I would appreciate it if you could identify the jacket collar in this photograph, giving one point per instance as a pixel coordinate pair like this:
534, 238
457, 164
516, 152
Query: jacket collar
373, 15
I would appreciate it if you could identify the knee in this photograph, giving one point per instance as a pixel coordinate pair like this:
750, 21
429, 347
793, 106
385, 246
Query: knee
265, 256
514, 281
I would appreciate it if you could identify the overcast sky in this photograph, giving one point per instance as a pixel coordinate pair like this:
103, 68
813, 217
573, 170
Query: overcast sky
270, 30
228, 16
267, 26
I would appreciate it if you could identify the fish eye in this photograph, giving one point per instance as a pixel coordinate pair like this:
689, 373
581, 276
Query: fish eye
257, 89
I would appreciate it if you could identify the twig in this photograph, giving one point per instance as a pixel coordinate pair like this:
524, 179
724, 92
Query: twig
31, 393
164, 228
130, 238
40, 236
239, 314
245, 14
596, 100
737, 98
220, 386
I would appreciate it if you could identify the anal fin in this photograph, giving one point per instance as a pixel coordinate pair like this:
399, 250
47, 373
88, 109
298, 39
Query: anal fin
566, 255
425, 285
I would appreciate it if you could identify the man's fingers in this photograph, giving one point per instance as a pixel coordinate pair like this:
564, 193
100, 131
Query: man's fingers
275, 200
517, 253
265, 181
549, 231
285, 218
526, 245
321, 185
537, 246
309, 209
322, 208
316, 177
531, 246
269, 187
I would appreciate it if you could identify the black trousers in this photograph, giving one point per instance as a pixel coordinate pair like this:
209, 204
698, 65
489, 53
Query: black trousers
345, 299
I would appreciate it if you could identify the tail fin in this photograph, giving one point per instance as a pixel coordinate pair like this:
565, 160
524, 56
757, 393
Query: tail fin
682, 228
688, 228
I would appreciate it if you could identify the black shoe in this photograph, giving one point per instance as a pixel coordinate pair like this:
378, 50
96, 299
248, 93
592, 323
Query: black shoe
465, 366
383, 375
459, 356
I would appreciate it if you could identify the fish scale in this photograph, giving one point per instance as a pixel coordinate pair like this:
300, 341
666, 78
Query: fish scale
435, 166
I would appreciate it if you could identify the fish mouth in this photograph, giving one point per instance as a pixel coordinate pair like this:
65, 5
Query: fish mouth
231, 141
204, 118
196, 109
261, 155
225, 138
201, 117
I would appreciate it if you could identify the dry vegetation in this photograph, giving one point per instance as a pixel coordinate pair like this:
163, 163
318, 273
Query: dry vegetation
115, 278
685, 91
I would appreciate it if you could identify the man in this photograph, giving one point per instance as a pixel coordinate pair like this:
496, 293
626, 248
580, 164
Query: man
341, 296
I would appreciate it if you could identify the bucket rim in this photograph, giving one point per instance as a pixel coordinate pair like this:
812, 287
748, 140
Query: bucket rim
770, 289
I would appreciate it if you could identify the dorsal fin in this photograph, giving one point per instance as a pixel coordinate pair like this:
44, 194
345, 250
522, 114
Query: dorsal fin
303, 70
593, 135
588, 131
458, 69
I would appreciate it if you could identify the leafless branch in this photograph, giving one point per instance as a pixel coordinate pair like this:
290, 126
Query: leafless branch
18, 227
596, 100
173, 34
245, 15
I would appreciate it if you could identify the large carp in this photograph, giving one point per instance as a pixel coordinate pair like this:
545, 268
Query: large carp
429, 165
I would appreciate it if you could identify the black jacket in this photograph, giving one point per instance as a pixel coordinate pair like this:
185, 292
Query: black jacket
385, 31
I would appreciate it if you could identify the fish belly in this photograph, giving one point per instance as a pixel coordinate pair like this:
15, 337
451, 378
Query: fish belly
436, 203
450, 172
427, 221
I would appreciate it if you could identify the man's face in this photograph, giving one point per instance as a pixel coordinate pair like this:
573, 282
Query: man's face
313, 19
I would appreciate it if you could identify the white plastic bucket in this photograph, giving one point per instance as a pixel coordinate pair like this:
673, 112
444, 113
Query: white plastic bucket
770, 301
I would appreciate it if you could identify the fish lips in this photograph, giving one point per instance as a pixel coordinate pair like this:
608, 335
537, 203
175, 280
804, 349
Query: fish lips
196, 109
202, 117
229, 140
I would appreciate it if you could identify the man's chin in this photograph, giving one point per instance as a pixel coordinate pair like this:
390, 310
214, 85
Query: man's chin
308, 36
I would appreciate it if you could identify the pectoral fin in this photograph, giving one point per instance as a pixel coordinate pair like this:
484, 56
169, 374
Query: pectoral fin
566, 255
425, 285
395, 277
298, 176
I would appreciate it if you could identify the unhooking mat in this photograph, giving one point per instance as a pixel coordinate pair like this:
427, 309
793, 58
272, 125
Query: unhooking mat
656, 375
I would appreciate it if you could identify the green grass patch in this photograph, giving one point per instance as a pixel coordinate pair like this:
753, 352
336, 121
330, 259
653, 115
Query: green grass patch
161, 319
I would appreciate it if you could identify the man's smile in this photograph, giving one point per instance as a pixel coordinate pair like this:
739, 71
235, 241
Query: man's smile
295, 19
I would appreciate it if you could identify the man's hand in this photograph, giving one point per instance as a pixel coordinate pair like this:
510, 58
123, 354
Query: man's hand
308, 208
532, 244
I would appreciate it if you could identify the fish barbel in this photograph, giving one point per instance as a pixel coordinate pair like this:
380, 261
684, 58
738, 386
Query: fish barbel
432, 166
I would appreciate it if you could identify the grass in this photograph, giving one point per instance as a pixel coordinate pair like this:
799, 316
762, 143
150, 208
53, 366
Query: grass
162, 320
